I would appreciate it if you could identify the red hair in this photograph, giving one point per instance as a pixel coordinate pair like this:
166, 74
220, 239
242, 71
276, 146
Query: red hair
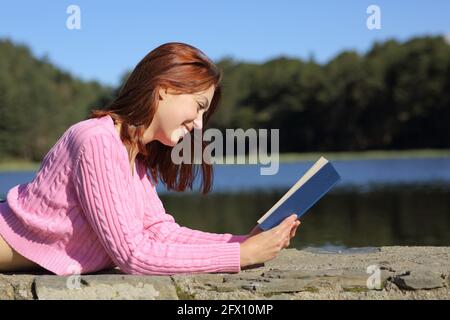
184, 69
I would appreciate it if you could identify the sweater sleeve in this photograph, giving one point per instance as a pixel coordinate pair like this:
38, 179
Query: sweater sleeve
101, 185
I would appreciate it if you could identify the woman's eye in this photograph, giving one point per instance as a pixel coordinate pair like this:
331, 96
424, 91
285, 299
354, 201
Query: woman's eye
200, 107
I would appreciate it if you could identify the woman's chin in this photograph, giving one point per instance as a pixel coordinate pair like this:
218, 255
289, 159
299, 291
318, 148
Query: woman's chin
170, 142
175, 138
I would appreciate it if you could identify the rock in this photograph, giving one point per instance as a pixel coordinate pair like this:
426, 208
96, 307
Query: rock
6, 289
16, 287
341, 250
346, 278
275, 286
401, 272
423, 280
106, 287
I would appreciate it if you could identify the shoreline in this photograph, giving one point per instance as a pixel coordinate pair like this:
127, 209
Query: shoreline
26, 165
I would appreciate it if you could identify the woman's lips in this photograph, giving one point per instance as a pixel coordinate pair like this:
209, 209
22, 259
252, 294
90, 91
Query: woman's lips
187, 128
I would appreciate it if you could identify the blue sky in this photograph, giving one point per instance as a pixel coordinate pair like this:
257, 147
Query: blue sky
115, 35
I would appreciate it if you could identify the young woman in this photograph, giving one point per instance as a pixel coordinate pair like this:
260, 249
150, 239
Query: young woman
93, 203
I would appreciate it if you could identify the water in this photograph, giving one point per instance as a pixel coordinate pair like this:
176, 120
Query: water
343, 218
377, 203
361, 174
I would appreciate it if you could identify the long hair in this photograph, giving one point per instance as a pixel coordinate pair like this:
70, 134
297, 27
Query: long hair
177, 66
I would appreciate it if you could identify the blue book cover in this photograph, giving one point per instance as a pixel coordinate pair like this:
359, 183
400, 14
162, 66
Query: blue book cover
312, 186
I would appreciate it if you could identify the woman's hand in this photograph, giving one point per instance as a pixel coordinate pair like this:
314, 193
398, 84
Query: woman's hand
257, 230
263, 246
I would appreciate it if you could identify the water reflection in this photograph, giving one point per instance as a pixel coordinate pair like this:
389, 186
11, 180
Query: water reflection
389, 215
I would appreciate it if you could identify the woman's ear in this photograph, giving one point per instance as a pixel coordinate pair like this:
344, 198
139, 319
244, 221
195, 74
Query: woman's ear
162, 93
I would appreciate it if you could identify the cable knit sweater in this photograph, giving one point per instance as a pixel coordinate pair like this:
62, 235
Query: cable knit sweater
85, 211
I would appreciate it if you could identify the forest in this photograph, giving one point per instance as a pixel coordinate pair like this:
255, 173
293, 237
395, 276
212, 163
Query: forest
395, 96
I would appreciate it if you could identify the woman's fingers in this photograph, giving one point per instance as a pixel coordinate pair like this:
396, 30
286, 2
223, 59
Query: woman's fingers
284, 229
287, 242
286, 224
294, 228
292, 234
289, 230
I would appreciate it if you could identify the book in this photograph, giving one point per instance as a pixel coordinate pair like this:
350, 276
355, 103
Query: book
309, 189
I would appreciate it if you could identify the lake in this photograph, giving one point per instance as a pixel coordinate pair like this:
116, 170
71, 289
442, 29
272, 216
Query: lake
377, 203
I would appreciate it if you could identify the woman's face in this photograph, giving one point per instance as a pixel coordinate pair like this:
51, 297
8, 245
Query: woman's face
178, 114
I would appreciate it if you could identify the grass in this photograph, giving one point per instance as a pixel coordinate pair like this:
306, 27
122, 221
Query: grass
373, 154
361, 155
18, 165
23, 165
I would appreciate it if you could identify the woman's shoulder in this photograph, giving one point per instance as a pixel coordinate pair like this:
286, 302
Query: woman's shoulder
83, 131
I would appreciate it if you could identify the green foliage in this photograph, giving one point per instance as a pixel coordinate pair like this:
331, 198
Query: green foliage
396, 96
38, 102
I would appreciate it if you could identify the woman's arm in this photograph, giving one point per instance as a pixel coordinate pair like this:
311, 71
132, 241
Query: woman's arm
105, 199
164, 227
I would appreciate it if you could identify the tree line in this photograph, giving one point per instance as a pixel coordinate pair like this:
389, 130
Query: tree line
394, 96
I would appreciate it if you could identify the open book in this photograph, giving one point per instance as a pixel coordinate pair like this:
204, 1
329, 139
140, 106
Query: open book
312, 186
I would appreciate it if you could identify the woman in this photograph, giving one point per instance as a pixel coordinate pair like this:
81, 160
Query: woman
93, 203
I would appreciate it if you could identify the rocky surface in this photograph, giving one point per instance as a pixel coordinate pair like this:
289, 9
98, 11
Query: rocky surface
360, 273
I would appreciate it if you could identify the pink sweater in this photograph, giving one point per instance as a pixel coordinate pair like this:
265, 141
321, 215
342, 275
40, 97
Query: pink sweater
85, 212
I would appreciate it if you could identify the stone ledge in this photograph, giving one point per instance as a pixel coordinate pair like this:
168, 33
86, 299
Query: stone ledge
404, 273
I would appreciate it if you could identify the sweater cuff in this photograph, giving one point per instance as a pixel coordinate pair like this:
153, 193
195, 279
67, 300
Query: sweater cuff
230, 258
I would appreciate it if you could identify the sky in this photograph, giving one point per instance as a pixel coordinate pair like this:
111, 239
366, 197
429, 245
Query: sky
115, 35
